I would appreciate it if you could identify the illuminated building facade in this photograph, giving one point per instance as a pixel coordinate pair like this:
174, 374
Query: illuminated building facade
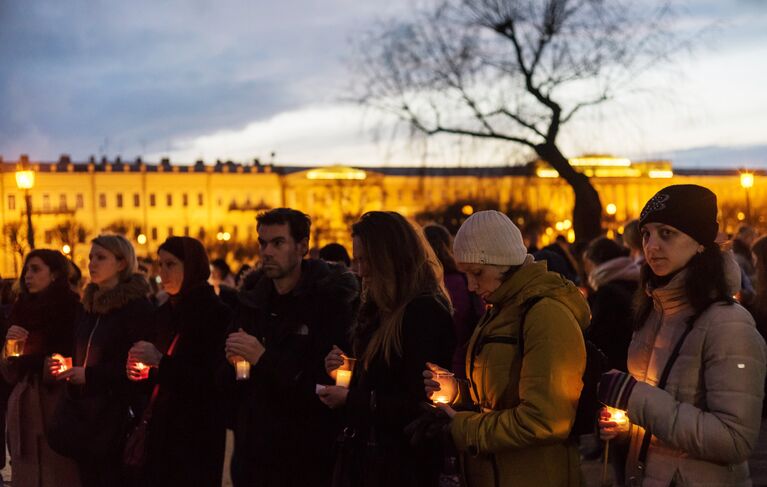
73, 202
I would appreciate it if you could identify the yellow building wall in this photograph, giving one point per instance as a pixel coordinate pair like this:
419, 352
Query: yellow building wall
229, 201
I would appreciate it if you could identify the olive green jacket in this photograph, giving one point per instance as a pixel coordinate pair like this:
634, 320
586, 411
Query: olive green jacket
528, 403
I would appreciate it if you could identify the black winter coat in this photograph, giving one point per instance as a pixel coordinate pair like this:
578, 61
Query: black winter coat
186, 438
50, 319
612, 321
112, 322
283, 433
385, 398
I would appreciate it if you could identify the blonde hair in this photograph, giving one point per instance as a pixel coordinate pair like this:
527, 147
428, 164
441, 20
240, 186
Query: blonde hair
402, 267
122, 249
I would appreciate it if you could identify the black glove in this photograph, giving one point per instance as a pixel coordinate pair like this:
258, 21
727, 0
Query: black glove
433, 424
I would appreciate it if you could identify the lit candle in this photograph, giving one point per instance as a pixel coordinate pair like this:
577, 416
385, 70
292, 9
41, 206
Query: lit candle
242, 368
14, 347
142, 369
447, 390
343, 378
618, 417
65, 363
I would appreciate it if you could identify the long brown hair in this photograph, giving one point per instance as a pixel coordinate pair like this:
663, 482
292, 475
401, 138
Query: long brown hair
705, 283
402, 266
759, 249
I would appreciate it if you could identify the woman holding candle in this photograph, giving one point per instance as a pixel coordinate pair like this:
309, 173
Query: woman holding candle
185, 439
117, 314
696, 363
525, 361
404, 322
43, 317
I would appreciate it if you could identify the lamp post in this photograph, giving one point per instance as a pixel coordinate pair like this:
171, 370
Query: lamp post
747, 182
25, 179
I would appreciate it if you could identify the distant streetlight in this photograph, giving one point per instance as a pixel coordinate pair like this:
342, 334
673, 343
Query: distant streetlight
141, 239
467, 210
25, 179
747, 182
611, 209
66, 249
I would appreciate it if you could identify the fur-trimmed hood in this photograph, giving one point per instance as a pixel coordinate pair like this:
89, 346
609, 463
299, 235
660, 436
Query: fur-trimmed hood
103, 301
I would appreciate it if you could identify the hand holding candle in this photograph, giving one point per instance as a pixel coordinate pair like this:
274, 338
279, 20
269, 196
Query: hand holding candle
241, 367
439, 384
344, 372
60, 364
241, 344
15, 340
612, 421
334, 360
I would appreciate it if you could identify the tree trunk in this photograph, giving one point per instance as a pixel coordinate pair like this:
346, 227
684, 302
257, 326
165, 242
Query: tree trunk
587, 212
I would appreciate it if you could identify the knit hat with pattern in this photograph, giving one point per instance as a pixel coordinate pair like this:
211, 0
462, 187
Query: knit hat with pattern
687, 207
489, 237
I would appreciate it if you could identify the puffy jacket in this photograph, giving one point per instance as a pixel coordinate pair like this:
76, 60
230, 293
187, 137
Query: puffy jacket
706, 421
528, 402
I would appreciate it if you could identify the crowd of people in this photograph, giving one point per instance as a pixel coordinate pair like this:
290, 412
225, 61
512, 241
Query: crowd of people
425, 360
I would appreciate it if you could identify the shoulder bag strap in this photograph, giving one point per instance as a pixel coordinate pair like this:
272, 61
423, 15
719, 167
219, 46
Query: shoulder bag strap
156, 391
662, 384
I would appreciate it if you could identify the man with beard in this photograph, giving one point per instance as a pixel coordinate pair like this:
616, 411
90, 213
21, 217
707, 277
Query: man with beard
290, 314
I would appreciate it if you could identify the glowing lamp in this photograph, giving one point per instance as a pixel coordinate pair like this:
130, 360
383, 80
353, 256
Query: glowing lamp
746, 180
25, 179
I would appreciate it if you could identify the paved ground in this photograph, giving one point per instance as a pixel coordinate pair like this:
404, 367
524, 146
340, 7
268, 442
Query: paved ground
592, 470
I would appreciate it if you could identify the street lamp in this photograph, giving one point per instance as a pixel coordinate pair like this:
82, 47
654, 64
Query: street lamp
747, 182
25, 179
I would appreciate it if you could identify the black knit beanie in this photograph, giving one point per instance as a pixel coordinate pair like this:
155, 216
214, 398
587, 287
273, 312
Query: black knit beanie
688, 208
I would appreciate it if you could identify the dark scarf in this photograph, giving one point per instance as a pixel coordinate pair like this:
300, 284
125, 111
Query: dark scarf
100, 301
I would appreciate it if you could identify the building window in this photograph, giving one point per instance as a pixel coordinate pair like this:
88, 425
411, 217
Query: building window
169, 199
184, 200
220, 202
11, 201
201, 234
136, 200
119, 200
170, 231
200, 199
102, 200
154, 233
46, 202
152, 200
63, 201
48, 237
186, 231
79, 203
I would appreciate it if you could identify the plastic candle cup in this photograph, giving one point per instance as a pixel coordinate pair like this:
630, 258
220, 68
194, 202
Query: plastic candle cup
447, 388
241, 367
65, 362
14, 347
344, 372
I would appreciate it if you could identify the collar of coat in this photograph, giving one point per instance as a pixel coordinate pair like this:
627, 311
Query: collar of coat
672, 297
317, 276
100, 301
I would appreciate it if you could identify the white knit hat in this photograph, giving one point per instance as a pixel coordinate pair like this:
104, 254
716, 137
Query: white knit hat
489, 237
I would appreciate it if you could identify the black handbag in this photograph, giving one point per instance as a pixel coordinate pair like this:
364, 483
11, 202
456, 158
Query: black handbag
88, 428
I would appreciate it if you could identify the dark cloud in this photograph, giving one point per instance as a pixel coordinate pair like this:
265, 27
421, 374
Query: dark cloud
751, 156
145, 72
